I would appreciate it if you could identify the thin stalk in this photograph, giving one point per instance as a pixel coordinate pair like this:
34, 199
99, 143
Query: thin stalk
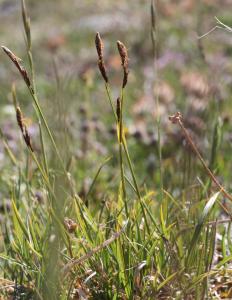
107, 87
158, 124
34, 96
35, 99
95, 177
120, 146
43, 150
32, 90
128, 160
120, 123
131, 168
46, 179
31, 62
178, 119
209, 172
124, 143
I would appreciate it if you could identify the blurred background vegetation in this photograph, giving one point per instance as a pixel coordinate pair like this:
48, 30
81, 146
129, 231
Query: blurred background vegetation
194, 76
190, 75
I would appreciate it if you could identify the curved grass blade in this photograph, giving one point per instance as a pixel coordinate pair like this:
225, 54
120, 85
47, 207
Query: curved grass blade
198, 229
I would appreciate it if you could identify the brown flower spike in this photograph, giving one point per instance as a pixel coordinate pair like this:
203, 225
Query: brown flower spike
21, 69
124, 58
99, 46
19, 118
101, 64
23, 128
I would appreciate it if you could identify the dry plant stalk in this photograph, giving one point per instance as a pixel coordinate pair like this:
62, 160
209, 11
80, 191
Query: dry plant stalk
178, 119
68, 267
124, 59
16, 60
101, 64
23, 128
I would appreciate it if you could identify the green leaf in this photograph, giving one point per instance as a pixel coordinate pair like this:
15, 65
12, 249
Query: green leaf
198, 229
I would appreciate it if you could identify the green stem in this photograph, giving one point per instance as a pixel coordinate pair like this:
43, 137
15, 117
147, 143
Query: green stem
120, 143
154, 48
123, 143
131, 168
120, 151
41, 115
110, 100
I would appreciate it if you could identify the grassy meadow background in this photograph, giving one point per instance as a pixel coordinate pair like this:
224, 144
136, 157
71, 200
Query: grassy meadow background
68, 228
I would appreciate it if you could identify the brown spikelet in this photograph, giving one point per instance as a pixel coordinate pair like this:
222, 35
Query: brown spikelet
19, 117
123, 53
16, 60
99, 46
176, 118
23, 128
102, 69
27, 139
124, 58
101, 64
125, 78
118, 109
25, 76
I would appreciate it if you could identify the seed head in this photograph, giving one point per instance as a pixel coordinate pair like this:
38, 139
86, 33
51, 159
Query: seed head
99, 46
176, 118
124, 59
23, 128
102, 68
27, 139
101, 64
125, 78
19, 118
123, 53
16, 60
